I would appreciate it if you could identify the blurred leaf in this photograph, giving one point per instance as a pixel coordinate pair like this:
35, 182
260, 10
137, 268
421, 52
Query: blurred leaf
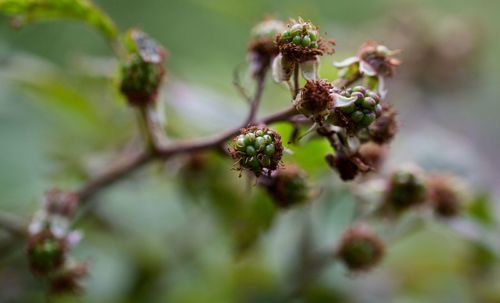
26, 11
480, 210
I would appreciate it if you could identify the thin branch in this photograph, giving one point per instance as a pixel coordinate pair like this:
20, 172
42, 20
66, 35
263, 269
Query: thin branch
130, 164
296, 85
121, 169
254, 105
237, 84
345, 82
12, 224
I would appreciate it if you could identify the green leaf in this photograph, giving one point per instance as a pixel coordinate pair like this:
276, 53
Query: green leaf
480, 210
26, 11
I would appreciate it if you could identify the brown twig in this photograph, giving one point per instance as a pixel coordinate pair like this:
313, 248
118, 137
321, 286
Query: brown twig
12, 224
131, 163
254, 105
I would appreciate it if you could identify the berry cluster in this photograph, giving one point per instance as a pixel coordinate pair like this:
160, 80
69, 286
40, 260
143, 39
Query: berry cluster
302, 34
45, 252
406, 189
142, 71
362, 110
288, 186
257, 149
360, 248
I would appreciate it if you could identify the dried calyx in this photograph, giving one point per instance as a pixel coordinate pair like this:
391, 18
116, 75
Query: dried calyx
258, 149
315, 100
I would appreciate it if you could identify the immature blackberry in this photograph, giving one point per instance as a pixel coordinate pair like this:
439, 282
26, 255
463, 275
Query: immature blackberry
360, 248
257, 149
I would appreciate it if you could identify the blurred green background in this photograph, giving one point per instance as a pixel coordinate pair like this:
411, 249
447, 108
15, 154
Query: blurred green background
179, 232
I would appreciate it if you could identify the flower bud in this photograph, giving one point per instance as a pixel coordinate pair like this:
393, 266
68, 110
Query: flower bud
142, 70
287, 186
357, 108
384, 129
348, 166
262, 46
447, 194
406, 188
377, 59
46, 253
257, 149
360, 249
315, 100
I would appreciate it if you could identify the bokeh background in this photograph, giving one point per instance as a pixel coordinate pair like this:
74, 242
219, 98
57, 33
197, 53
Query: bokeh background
191, 231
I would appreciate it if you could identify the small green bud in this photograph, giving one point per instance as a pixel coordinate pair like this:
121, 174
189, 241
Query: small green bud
313, 35
369, 103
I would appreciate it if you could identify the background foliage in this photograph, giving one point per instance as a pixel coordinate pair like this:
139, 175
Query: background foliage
59, 110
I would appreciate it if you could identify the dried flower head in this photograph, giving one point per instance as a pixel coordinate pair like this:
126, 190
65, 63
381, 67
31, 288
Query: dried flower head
288, 186
67, 281
373, 154
360, 249
262, 46
59, 202
405, 188
348, 166
356, 108
384, 129
377, 59
142, 70
315, 100
447, 194
257, 149
46, 252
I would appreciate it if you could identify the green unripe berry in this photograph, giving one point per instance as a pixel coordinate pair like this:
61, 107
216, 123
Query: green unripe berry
314, 45
313, 35
259, 133
368, 119
357, 116
270, 149
297, 40
267, 139
250, 137
360, 89
348, 109
250, 151
260, 143
306, 41
369, 103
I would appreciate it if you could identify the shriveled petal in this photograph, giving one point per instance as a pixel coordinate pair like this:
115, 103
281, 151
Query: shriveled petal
353, 143
366, 69
310, 69
346, 62
281, 69
342, 101
382, 91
